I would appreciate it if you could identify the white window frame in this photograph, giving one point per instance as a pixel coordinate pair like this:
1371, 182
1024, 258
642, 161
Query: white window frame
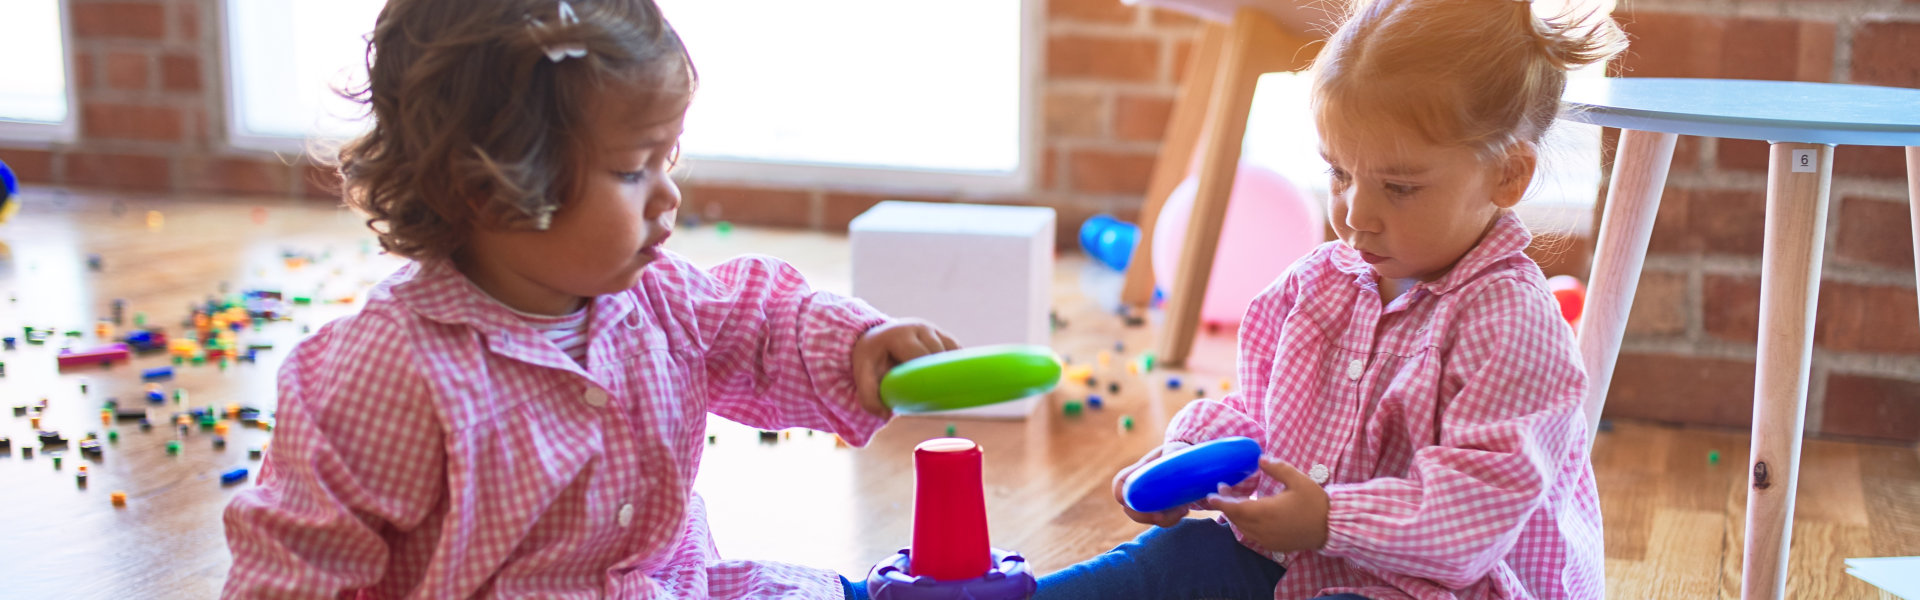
68, 129
698, 169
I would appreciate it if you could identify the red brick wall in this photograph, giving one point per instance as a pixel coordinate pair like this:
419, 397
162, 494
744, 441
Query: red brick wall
1691, 341
149, 109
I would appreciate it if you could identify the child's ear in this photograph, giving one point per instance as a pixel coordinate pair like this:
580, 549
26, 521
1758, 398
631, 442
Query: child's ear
1516, 172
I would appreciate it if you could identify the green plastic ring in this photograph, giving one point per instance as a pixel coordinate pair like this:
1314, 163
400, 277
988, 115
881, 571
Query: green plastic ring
970, 377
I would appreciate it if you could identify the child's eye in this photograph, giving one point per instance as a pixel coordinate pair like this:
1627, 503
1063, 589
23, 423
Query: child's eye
671, 158
631, 176
1339, 176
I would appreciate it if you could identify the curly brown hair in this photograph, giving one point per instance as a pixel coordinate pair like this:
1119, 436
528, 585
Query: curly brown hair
475, 126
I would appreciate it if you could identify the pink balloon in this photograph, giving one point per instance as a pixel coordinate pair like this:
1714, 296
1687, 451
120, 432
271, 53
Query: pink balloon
1270, 224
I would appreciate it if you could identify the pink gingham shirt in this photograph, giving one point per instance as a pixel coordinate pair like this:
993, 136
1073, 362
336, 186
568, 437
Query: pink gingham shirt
1447, 422
436, 446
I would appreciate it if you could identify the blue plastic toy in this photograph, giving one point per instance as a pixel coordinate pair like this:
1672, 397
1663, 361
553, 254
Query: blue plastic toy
9, 190
1189, 475
1109, 240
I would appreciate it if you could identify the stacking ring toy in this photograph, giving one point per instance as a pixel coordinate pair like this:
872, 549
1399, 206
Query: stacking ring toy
970, 377
1187, 476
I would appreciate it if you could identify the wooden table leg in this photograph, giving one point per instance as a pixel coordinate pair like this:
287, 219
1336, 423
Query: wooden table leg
1799, 177
1913, 198
1224, 131
1176, 157
1633, 198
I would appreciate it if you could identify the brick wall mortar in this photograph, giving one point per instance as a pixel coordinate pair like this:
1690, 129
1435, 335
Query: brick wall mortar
1751, 266
1711, 178
1824, 364
1890, 190
213, 101
1695, 298
1867, 275
1869, 363
1705, 348
1817, 373
1843, 48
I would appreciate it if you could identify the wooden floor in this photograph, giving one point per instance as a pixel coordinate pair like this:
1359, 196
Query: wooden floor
1673, 517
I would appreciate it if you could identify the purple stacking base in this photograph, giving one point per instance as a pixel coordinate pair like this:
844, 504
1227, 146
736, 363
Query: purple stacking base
1010, 579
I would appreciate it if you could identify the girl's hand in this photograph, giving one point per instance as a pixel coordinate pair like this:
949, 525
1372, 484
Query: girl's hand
886, 346
1165, 518
1294, 519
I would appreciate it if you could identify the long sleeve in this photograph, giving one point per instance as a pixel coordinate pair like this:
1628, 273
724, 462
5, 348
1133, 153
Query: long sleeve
357, 454
1242, 412
777, 353
1509, 417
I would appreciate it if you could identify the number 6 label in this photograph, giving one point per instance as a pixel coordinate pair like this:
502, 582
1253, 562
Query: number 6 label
1804, 161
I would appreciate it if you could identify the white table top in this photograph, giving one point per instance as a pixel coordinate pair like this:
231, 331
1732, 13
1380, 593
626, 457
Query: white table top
1779, 111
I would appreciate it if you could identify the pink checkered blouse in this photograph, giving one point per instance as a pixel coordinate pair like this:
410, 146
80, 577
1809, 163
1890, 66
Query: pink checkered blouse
1445, 425
436, 446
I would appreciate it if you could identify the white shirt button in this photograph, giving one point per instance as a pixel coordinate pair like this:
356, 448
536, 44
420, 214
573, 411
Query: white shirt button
626, 515
1318, 474
594, 397
1355, 368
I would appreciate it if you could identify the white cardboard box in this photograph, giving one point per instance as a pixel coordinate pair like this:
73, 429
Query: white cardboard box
983, 273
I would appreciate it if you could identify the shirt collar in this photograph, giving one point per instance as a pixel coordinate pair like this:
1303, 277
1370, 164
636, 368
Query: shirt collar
1508, 237
437, 291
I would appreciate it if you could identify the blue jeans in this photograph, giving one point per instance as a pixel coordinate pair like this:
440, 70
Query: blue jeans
854, 591
1195, 559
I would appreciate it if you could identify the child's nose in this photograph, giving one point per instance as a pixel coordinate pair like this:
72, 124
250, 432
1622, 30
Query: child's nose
665, 197
1362, 212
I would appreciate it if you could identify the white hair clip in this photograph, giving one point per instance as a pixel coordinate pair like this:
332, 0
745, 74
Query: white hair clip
559, 52
542, 218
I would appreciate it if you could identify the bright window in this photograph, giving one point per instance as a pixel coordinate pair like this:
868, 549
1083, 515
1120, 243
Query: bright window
856, 89
283, 59
34, 101
817, 92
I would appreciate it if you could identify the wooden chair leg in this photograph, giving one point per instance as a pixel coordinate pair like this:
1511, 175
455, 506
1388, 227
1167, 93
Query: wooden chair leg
1913, 198
1789, 294
1250, 40
1176, 156
1640, 166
